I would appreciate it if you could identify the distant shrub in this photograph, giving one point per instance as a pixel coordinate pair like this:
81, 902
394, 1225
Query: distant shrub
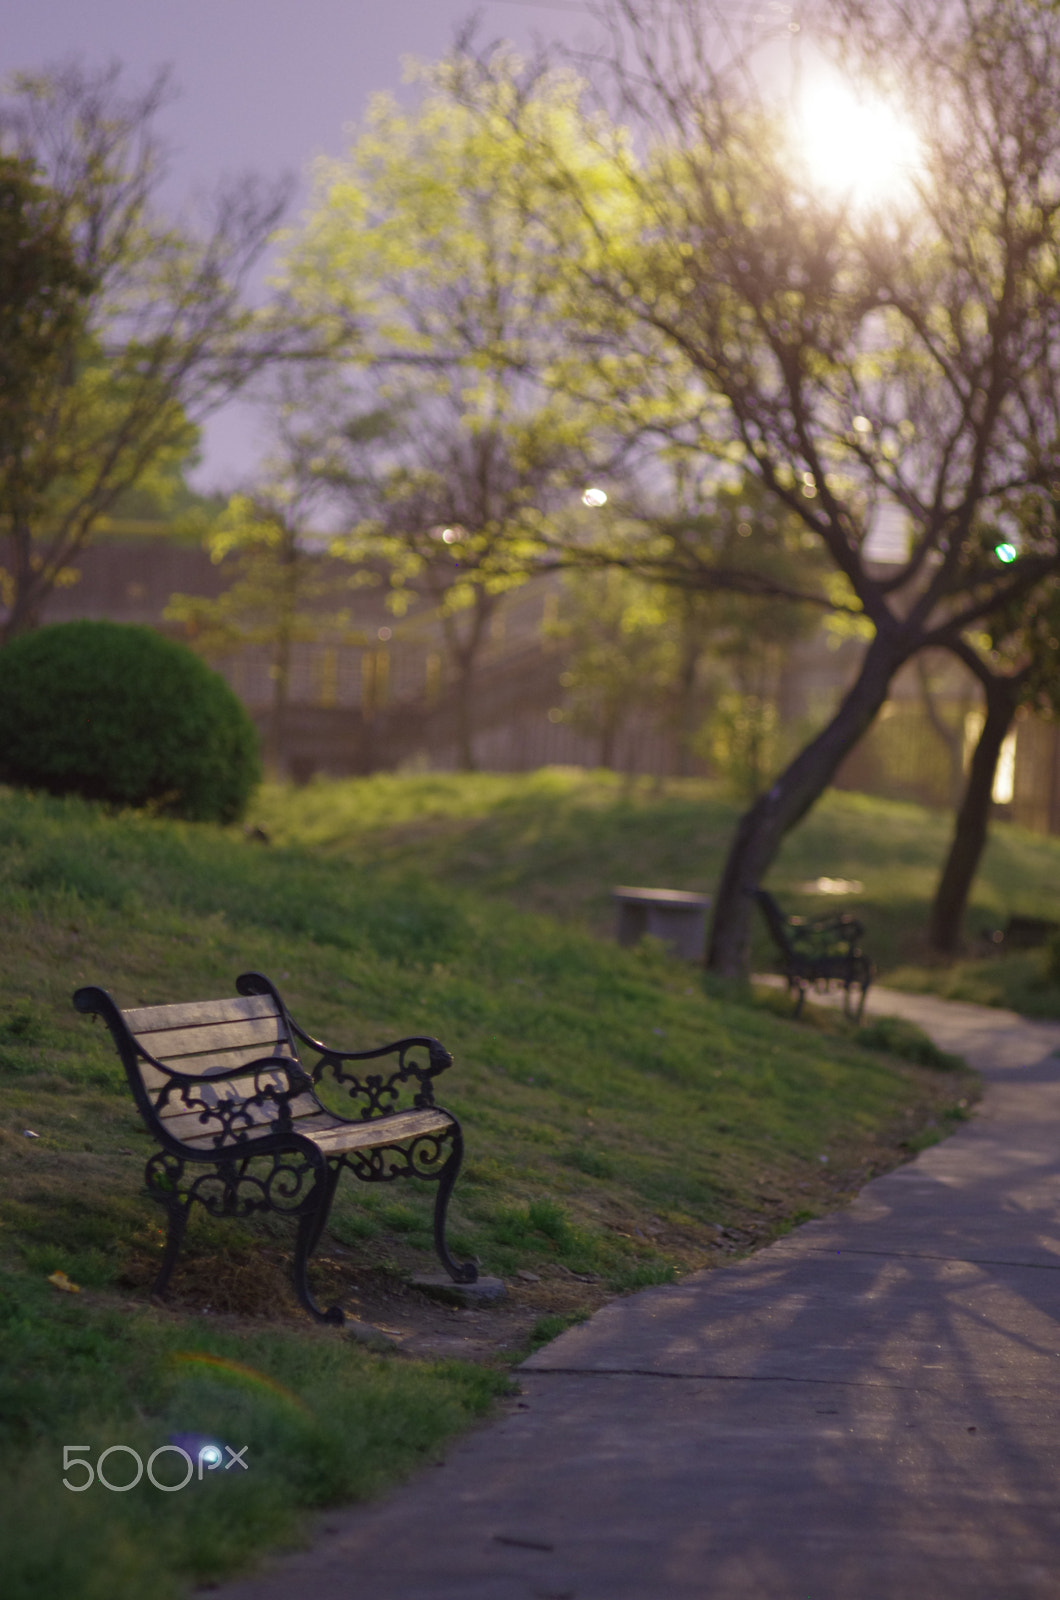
121, 714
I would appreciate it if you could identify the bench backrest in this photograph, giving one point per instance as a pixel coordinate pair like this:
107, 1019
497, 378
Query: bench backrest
775, 921
202, 1039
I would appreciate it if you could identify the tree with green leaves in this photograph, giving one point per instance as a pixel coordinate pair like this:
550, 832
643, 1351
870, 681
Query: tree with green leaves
852, 353
424, 258
43, 294
622, 653
650, 630
747, 637
151, 331
283, 587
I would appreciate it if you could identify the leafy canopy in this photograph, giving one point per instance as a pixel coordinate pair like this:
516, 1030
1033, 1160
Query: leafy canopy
426, 259
162, 335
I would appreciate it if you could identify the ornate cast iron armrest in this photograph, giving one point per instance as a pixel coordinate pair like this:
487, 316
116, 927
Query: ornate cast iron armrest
437, 1053
378, 1093
375, 1094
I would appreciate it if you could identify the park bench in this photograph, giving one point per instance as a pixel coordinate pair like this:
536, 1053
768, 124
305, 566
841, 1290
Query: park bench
816, 951
222, 1088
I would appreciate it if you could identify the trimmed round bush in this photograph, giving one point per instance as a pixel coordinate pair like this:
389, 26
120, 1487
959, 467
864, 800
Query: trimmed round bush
119, 713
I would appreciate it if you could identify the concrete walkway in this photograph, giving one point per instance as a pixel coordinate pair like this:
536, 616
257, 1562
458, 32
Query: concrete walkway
867, 1410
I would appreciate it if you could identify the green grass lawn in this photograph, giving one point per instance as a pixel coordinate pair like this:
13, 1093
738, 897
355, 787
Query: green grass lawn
559, 840
623, 1126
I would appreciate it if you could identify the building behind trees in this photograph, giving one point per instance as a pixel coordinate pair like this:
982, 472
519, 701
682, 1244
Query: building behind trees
375, 700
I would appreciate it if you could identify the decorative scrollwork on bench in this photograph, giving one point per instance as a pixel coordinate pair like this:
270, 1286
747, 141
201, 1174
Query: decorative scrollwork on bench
375, 1094
231, 1108
282, 1181
424, 1157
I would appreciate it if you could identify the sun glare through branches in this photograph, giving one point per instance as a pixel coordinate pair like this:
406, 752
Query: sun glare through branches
855, 148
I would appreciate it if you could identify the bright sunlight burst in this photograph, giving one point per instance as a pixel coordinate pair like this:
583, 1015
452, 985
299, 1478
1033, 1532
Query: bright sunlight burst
855, 148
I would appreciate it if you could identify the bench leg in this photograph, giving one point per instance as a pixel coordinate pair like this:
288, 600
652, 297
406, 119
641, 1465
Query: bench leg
310, 1227
459, 1271
855, 1014
178, 1208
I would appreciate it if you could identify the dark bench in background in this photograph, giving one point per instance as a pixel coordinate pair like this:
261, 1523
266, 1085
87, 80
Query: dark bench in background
816, 951
222, 1088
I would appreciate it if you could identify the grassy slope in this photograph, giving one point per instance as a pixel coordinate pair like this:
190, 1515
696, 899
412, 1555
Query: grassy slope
621, 1125
558, 840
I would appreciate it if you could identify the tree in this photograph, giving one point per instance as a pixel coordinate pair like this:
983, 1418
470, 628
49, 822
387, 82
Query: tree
651, 624
745, 534
283, 588
449, 513
425, 255
850, 355
950, 730
161, 335
1017, 664
623, 652
43, 290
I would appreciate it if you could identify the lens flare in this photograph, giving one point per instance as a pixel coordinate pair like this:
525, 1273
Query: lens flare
219, 1367
855, 148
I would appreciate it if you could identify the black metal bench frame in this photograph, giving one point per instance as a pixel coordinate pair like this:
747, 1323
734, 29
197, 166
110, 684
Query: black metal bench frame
816, 951
221, 1086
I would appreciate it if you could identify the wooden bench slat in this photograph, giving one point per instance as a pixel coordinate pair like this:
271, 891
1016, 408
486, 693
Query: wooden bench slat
169, 1044
381, 1130
216, 1061
143, 1019
335, 1137
206, 1067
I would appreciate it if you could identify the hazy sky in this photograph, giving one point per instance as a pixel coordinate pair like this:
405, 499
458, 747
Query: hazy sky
264, 84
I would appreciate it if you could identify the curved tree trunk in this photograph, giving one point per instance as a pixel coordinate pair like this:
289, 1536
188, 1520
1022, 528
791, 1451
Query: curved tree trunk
951, 738
973, 818
762, 828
